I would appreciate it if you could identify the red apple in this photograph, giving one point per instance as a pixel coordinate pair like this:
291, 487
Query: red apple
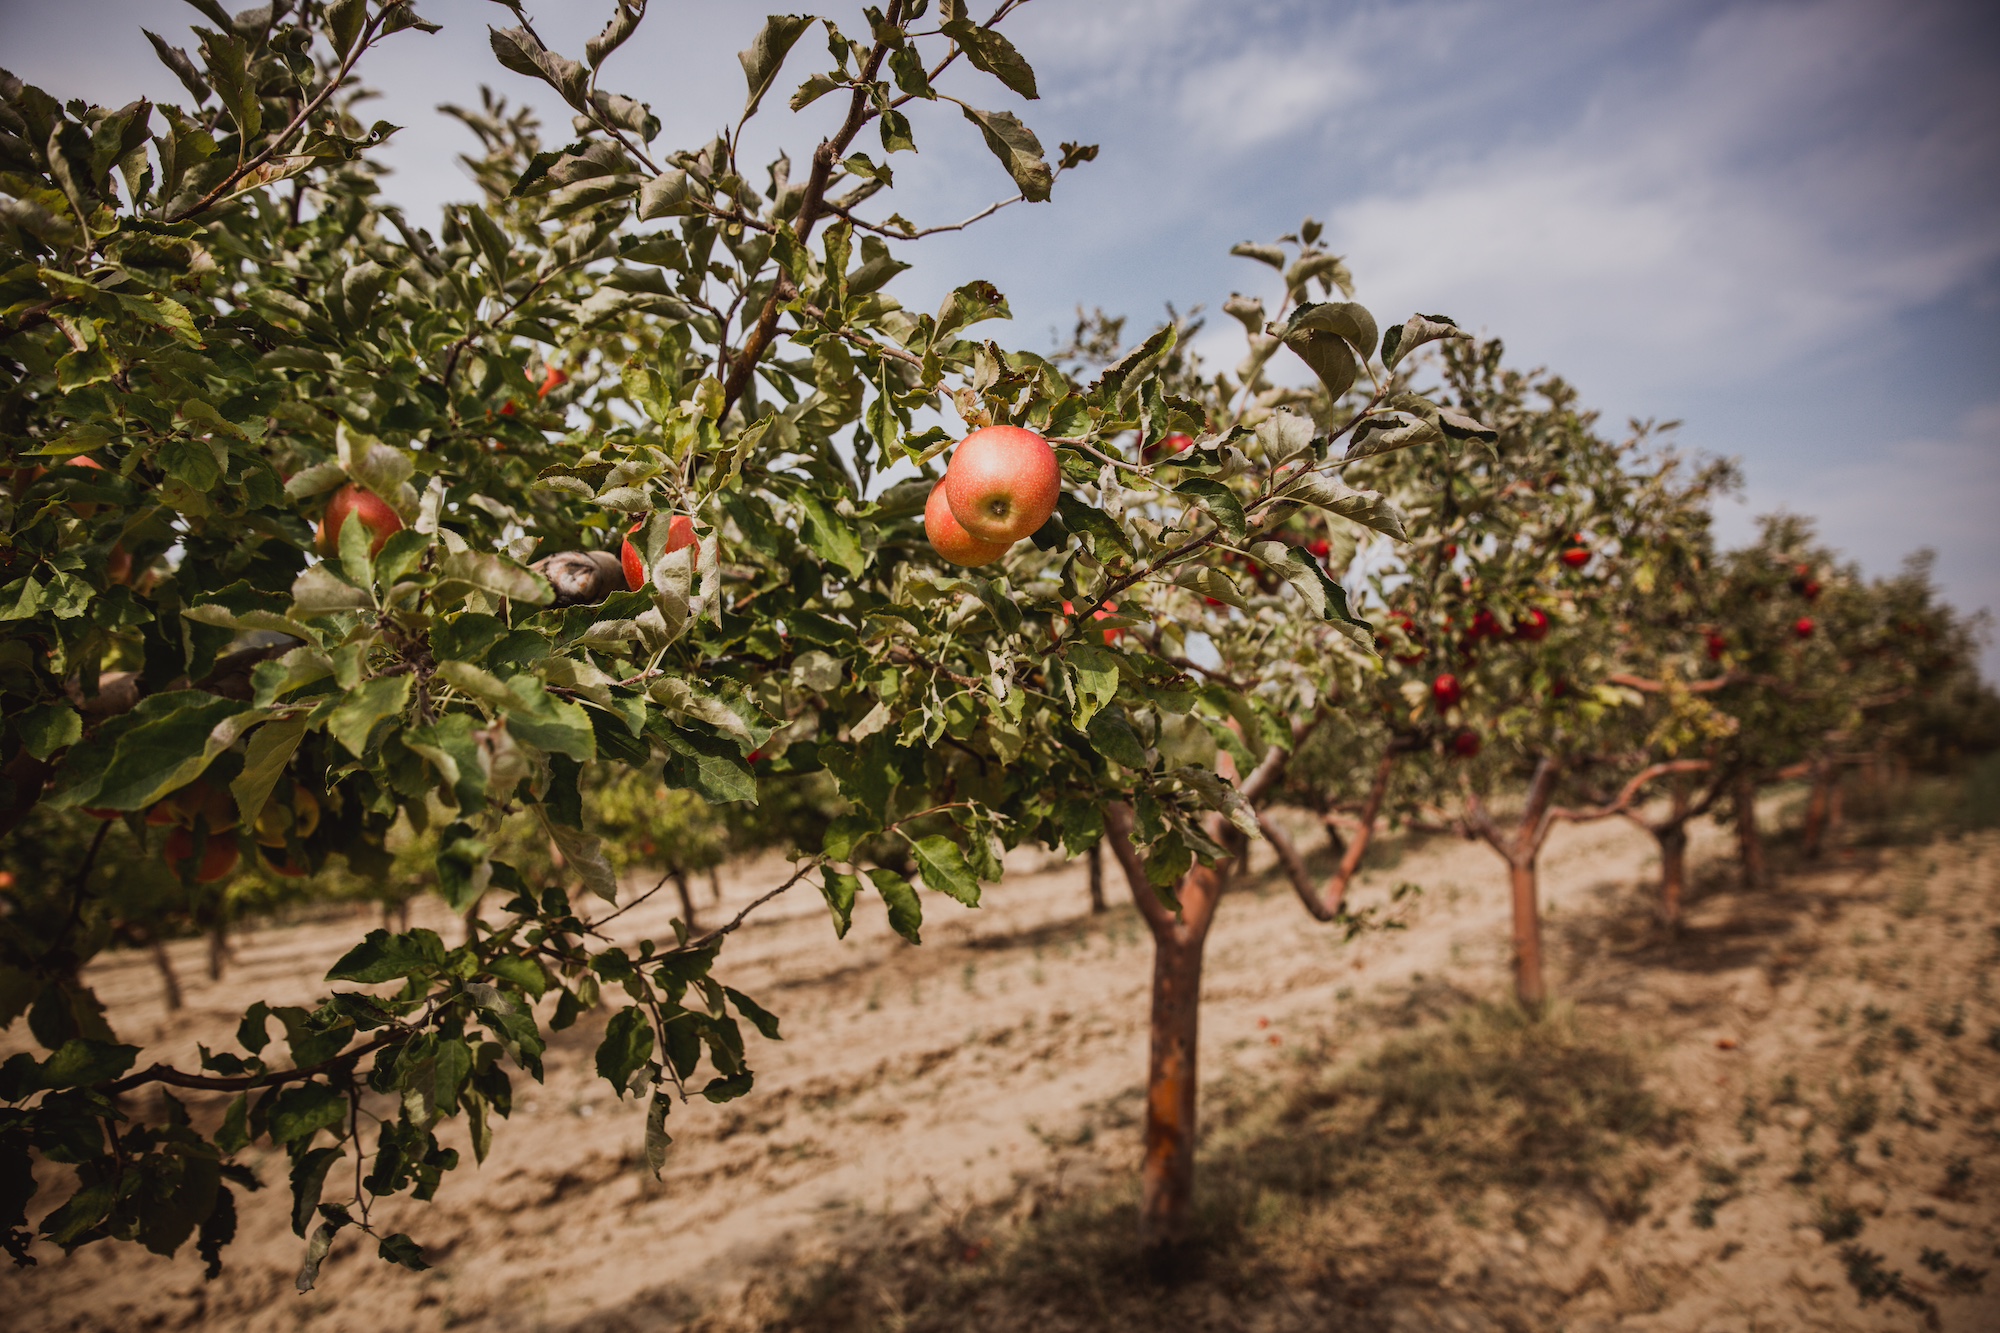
1168, 445
507, 409
1002, 484
1485, 625
1532, 625
1446, 692
278, 863
1465, 744
218, 858
680, 535
1717, 646
1102, 613
950, 539
375, 515
1803, 627
1576, 557
554, 380
1451, 550
1320, 549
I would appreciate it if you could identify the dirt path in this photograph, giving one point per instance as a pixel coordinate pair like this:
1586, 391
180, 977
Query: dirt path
952, 1095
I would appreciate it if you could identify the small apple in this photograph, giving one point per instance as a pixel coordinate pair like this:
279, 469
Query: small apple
949, 537
552, 381
1532, 626
218, 858
374, 514
1485, 625
1576, 557
1451, 550
507, 409
1717, 646
1102, 613
1446, 691
1320, 549
1169, 445
272, 825
278, 863
1465, 744
1002, 484
680, 535
1803, 627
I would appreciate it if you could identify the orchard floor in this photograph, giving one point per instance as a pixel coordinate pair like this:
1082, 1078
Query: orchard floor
1786, 1119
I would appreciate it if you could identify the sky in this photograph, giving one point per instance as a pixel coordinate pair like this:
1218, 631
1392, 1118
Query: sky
1775, 221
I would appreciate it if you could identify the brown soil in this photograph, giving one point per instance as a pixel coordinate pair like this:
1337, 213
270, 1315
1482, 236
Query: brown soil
1785, 1119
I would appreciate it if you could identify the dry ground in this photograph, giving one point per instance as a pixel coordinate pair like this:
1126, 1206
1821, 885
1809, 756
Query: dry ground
1786, 1119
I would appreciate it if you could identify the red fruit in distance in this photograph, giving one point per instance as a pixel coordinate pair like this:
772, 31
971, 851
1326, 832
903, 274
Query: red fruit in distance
507, 409
1576, 557
950, 539
554, 380
1169, 445
1559, 689
369, 508
1485, 625
1803, 627
278, 863
1446, 691
1533, 625
1717, 646
1451, 550
1002, 483
1321, 549
1465, 744
217, 859
1102, 613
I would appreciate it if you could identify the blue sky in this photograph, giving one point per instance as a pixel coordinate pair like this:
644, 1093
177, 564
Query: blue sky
1775, 220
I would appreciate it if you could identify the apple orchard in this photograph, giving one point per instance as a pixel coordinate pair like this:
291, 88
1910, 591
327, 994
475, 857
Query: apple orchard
628, 521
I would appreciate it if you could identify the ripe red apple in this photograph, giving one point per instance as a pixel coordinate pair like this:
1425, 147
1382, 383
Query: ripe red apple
1446, 691
1803, 627
950, 539
1485, 625
1532, 625
375, 515
507, 409
1002, 484
680, 535
1321, 549
1465, 744
1168, 445
1576, 557
1717, 646
218, 858
1102, 613
554, 380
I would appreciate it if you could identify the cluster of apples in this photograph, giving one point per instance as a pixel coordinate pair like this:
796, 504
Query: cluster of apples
202, 803
1000, 486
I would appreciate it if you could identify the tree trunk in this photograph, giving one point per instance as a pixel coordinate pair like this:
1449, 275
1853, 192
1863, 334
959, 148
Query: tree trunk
218, 949
1835, 808
714, 885
1673, 840
1815, 826
1096, 878
687, 899
1749, 842
1529, 987
1167, 1176
169, 980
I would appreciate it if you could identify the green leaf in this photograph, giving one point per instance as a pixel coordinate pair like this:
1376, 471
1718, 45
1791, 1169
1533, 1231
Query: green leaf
1211, 582
627, 1045
316, 1251
765, 56
814, 88
518, 49
1112, 736
1018, 150
942, 864
185, 731
1327, 599
309, 1180
832, 539
1333, 339
1094, 525
384, 957
376, 701
80, 1062
400, 1249
709, 766
992, 52
1265, 254
270, 750
1094, 677
844, 832
906, 914
498, 575
667, 195
303, 1110
551, 725
526, 973
47, 728
840, 890
657, 1137
1331, 494
1400, 340
585, 854
1386, 432
319, 591
760, 1018
728, 1089
1221, 503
